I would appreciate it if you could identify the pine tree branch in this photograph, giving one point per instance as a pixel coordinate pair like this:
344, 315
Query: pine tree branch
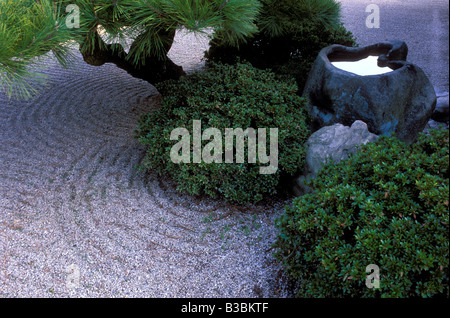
154, 9
152, 69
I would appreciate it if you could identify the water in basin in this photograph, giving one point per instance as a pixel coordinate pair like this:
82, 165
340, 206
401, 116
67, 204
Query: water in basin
367, 66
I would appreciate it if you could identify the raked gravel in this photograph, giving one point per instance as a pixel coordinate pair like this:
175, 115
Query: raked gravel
77, 219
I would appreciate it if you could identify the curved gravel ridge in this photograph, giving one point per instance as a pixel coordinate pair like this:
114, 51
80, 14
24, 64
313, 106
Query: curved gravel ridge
78, 219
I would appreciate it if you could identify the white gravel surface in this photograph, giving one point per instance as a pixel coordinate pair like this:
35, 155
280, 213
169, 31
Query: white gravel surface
77, 219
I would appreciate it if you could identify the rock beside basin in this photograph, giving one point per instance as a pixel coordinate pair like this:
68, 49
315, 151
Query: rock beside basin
332, 143
397, 103
442, 109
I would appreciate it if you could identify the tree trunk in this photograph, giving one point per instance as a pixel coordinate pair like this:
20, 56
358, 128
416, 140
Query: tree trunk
153, 69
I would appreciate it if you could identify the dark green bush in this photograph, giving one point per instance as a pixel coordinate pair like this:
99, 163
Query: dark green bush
291, 34
227, 96
386, 205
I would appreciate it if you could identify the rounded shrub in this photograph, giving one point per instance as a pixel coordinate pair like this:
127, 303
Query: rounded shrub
290, 36
387, 205
227, 97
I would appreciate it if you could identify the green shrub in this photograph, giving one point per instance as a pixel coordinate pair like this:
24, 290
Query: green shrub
291, 34
386, 205
227, 96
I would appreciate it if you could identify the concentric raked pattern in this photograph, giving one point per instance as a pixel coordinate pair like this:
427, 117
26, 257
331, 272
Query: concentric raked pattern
77, 218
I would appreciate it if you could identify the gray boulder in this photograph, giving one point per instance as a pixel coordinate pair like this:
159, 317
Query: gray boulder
441, 111
435, 125
397, 103
331, 143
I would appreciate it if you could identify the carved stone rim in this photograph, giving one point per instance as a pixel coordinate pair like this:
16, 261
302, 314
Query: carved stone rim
390, 54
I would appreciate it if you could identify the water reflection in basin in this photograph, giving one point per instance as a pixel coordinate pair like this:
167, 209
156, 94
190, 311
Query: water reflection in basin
367, 66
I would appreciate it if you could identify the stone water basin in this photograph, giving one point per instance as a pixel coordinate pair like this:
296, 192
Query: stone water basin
374, 84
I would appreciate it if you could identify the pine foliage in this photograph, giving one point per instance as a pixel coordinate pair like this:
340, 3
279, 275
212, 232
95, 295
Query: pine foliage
30, 28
